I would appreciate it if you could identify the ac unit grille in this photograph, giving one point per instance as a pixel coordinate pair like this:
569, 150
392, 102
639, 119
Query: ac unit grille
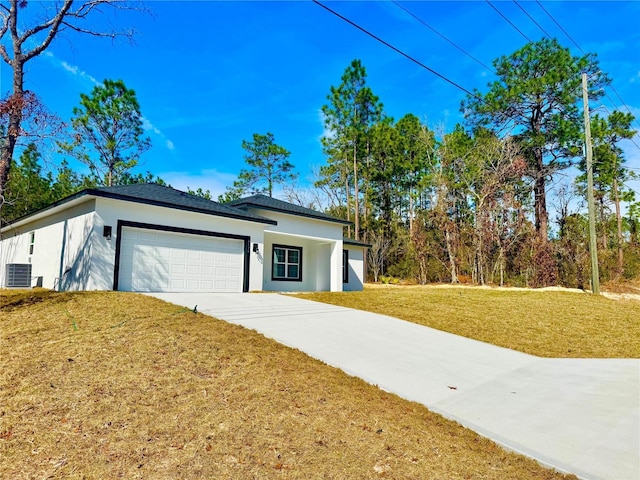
18, 275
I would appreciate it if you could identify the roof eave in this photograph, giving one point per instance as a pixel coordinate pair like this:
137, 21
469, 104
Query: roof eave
298, 214
355, 243
93, 193
30, 217
159, 203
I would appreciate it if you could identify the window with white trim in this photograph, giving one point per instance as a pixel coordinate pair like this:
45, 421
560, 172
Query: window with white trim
287, 263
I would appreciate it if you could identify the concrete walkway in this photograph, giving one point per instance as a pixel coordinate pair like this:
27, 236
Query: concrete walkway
580, 416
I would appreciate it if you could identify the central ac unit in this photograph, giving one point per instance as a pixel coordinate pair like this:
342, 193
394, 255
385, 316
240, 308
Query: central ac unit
18, 275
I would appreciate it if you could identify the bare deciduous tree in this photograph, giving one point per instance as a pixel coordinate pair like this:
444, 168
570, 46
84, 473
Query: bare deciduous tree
378, 254
54, 19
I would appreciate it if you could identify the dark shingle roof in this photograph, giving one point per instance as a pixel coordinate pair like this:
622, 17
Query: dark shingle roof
154, 194
275, 205
355, 243
162, 196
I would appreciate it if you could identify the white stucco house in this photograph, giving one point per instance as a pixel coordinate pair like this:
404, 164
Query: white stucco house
153, 238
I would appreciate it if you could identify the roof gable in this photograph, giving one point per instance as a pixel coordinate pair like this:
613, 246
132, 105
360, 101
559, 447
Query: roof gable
275, 205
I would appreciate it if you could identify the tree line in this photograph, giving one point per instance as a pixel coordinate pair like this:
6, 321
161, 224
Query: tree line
471, 205
466, 205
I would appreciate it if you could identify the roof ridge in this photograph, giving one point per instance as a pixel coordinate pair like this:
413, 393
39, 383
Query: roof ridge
275, 204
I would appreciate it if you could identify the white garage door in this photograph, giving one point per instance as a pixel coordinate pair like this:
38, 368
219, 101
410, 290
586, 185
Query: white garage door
157, 261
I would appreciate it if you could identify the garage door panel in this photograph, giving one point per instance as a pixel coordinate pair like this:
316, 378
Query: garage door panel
167, 261
194, 270
222, 257
161, 252
179, 254
179, 269
194, 255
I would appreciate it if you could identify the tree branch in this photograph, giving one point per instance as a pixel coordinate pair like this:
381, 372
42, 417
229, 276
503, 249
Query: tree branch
13, 21
55, 25
5, 21
111, 35
4, 54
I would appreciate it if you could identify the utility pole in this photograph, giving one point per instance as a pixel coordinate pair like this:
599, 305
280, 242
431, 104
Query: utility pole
593, 246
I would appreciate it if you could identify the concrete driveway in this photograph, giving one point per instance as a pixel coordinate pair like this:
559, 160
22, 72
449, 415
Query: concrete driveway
580, 416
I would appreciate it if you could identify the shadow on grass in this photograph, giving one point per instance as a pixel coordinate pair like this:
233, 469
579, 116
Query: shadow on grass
11, 300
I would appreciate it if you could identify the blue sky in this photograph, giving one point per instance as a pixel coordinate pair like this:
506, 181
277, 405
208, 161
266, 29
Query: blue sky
209, 74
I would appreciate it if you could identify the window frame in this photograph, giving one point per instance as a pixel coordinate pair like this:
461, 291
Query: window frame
345, 266
32, 242
287, 249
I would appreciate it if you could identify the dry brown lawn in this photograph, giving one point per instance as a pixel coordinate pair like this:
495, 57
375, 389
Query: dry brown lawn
115, 385
543, 323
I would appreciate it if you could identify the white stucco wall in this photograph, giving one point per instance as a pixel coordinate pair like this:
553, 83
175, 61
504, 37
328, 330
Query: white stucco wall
356, 269
312, 279
321, 243
109, 211
62, 252
71, 253
297, 225
321, 265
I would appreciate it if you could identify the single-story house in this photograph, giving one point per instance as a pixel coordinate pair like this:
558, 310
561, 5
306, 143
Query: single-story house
153, 238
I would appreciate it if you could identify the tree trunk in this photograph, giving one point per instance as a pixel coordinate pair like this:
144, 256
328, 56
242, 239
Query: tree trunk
604, 238
386, 207
478, 253
540, 208
356, 202
347, 190
452, 258
410, 211
620, 271
365, 197
14, 105
8, 146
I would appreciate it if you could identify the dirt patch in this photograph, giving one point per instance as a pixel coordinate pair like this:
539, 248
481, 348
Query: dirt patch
12, 299
622, 296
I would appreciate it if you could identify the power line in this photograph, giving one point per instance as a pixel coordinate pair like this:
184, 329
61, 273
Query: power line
559, 26
417, 62
625, 184
609, 112
531, 18
622, 102
397, 4
565, 32
508, 21
627, 108
397, 50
